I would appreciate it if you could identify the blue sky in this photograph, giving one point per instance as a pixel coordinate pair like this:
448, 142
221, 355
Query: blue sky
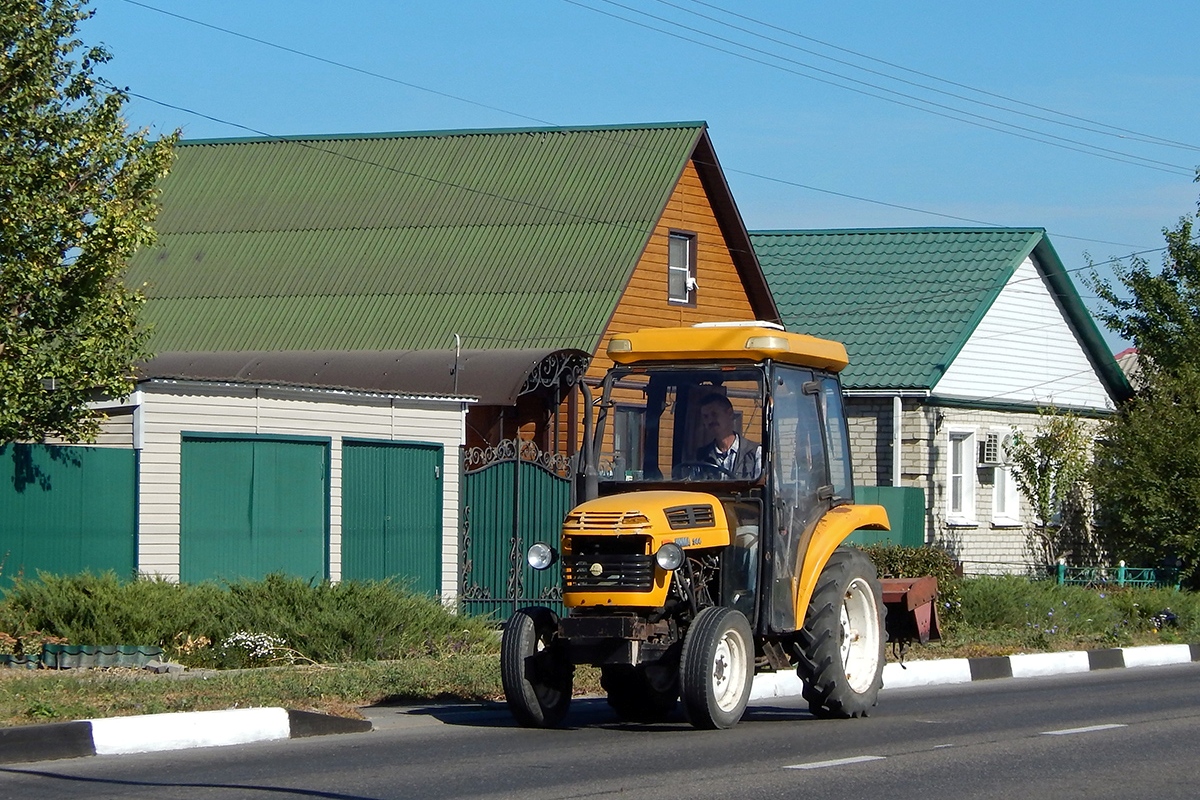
808, 137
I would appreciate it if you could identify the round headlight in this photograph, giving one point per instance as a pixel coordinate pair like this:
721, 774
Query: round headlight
540, 556
669, 556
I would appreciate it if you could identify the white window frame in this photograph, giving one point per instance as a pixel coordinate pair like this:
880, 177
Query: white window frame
960, 447
1004, 493
686, 271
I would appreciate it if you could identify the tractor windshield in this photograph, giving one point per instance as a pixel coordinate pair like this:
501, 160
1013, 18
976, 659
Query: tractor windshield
682, 425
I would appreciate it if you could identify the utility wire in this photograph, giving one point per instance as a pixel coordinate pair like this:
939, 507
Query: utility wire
408, 84
925, 106
1113, 130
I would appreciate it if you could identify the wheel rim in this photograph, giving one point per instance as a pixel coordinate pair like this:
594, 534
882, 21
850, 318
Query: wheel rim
860, 635
729, 670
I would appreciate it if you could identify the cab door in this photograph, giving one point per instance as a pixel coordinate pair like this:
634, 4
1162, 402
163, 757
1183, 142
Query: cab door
800, 486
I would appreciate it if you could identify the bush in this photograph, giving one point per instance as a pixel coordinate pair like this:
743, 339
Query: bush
1044, 615
208, 624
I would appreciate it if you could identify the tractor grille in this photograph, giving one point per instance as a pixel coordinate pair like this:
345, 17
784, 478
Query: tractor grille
682, 517
609, 563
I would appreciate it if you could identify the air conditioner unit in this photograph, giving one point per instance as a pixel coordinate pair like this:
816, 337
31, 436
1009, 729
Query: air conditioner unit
991, 451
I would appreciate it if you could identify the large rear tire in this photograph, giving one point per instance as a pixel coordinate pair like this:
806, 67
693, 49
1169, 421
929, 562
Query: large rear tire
646, 693
537, 678
842, 642
716, 668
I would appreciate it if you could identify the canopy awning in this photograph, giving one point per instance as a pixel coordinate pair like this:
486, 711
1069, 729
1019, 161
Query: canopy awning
495, 377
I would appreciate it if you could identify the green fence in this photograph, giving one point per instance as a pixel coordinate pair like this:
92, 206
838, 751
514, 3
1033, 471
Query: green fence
66, 509
906, 512
1119, 575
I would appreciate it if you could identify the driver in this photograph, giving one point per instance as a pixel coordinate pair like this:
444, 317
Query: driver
732, 455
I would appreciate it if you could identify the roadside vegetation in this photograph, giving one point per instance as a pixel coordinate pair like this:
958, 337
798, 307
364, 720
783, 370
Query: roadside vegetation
335, 648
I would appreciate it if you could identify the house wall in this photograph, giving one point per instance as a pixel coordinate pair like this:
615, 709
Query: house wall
720, 294
984, 543
1023, 351
170, 410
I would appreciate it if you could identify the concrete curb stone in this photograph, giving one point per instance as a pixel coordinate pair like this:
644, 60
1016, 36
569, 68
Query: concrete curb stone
159, 732
149, 733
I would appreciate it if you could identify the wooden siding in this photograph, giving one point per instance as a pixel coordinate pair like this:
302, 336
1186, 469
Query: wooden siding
170, 411
1023, 351
720, 294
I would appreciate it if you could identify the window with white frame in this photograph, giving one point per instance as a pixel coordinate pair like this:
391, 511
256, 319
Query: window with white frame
960, 478
1006, 510
681, 268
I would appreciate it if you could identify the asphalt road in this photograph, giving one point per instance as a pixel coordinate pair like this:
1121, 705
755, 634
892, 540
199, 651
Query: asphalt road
1132, 733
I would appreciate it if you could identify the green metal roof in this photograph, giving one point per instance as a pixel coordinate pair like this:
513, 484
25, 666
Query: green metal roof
904, 301
510, 238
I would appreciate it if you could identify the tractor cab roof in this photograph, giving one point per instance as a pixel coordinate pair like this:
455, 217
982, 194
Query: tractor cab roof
725, 341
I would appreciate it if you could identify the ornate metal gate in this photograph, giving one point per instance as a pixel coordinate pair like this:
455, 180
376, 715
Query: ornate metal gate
514, 494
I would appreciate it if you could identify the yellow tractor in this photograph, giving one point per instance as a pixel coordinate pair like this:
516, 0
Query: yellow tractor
709, 545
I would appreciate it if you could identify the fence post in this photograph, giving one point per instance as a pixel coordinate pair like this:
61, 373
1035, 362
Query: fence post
1120, 573
1061, 572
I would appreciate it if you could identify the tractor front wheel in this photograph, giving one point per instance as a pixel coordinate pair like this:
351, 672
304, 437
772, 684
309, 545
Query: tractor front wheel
842, 643
536, 676
716, 668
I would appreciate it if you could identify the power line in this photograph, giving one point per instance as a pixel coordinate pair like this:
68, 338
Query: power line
1118, 132
947, 112
409, 84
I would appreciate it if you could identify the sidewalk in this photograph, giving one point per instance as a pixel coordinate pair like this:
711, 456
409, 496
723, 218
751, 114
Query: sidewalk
158, 732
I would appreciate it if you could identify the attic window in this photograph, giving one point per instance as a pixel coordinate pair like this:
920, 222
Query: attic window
681, 268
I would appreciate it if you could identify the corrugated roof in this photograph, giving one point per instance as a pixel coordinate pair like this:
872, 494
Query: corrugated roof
904, 301
511, 238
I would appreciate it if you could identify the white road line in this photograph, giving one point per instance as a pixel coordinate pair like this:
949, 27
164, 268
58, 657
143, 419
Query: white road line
837, 762
1089, 729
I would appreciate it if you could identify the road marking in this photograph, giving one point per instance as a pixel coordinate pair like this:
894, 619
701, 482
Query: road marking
837, 762
940, 746
1089, 729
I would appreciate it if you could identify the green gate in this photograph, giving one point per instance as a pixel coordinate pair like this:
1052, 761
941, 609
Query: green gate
392, 513
251, 505
513, 495
67, 509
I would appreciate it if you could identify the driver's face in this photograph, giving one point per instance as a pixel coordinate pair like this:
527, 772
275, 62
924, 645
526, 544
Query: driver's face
717, 421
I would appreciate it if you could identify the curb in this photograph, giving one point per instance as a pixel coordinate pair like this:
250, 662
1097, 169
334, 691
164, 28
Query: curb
964, 670
150, 733
158, 732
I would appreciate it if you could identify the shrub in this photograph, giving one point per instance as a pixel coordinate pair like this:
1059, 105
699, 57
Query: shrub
317, 621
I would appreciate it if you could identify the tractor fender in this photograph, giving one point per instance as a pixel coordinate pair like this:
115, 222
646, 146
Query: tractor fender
836, 524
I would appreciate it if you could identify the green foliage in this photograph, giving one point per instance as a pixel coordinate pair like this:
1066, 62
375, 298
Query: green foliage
77, 198
1050, 468
321, 622
896, 561
1158, 310
1042, 615
1147, 475
1147, 471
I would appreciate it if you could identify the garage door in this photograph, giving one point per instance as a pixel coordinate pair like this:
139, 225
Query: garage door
253, 505
392, 513
67, 509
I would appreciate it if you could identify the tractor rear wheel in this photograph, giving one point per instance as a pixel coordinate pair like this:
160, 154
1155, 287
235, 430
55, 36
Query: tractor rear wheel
842, 642
536, 676
716, 668
646, 693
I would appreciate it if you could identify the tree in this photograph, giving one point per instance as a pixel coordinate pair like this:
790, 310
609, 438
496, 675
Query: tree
77, 198
1050, 468
1147, 475
1147, 471
1160, 310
